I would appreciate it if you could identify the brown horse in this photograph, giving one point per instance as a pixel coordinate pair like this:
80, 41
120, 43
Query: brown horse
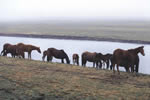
75, 59
106, 59
8, 48
5, 48
49, 58
91, 57
27, 48
59, 54
136, 64
126, 58
12, 49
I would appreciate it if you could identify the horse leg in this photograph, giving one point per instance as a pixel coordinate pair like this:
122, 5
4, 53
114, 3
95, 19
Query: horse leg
107, 63
137, 67
84, 63
118, 68
22, 55
97, 64
127, 68
93, 64
77, 62
100, 64
62, 60
132, 68
73, 61
113, 66
28, 55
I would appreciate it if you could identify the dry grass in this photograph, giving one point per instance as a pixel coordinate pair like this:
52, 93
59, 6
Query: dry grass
24, 79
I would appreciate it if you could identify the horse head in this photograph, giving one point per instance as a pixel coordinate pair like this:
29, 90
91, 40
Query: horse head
38, 49
142, 50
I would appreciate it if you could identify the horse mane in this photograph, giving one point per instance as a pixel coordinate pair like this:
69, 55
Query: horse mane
135, 50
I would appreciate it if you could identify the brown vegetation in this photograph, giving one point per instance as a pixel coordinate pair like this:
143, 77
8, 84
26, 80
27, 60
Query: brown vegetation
27, 79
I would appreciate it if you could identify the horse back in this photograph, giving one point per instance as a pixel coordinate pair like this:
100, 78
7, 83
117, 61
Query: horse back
89, 56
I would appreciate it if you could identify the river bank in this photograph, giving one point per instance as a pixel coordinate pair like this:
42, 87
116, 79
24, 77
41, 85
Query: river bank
73, 38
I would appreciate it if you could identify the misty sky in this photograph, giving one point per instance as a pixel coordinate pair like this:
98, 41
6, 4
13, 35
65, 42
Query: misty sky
14, 10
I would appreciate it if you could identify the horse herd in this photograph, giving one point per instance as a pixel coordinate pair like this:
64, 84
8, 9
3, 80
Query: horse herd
128, 59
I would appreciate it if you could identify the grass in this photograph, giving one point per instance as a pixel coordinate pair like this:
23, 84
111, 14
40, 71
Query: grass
31, 80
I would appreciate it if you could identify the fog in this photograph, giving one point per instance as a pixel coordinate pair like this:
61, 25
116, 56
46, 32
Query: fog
18, 10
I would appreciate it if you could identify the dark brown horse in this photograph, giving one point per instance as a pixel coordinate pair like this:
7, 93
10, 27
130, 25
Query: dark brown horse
91, 57
27, 48
126, 58
5, 48
12, 49
49, 58
59, 54
106, 59
75, 59
136, 64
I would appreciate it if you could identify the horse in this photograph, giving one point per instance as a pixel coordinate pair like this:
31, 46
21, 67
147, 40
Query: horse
49, 58
12, 49
127, 58
75, 58
59, 54
107, 58
5, 48
136, 64
27, 48
91, 57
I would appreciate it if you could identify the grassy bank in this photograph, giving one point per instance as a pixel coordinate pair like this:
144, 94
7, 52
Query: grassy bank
124, 30
26, 80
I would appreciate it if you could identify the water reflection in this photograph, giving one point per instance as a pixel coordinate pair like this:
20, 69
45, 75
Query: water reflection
77, 46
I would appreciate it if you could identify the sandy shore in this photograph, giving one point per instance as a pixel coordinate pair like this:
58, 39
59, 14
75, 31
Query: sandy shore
74, 38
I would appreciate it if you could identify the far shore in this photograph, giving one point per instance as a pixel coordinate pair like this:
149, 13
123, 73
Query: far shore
73, 38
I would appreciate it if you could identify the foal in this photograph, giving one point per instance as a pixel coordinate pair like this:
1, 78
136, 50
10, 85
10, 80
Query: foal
75, 59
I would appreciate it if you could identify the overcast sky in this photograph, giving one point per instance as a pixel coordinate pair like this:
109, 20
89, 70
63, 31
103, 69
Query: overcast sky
13, 10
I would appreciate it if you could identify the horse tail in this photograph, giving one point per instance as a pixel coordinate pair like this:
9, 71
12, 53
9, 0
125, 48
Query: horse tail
2, 52
112, 61
83, 59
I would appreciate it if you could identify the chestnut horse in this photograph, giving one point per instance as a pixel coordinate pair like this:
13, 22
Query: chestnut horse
127, 58
75, 58
27, 48
59, 54
49, 58
91, 57
136, 64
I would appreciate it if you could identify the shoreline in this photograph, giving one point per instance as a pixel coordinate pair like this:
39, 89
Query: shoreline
73, 38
